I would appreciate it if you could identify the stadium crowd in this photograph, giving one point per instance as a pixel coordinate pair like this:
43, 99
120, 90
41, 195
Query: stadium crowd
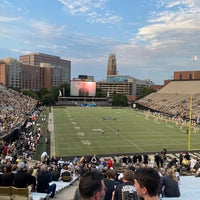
38, 177
14, 109
17, 108
173, 104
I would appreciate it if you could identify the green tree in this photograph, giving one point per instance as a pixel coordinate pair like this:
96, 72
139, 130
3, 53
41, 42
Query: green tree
100, 93
48, 99
65, 88
30, 93
145, 91
42, 92
119, 100
54, 91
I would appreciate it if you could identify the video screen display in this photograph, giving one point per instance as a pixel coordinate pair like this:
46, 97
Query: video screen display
82, 88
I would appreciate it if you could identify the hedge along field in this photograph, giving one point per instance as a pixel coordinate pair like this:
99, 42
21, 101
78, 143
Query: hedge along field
84, 131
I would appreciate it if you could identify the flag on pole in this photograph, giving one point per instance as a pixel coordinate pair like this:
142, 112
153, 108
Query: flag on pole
60, 93
194, 57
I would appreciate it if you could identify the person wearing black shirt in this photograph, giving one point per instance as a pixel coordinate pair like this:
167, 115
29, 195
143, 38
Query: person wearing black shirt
43, 180
21, 177
126, 190
110, 183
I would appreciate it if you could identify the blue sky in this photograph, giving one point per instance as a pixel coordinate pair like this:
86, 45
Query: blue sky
150, 38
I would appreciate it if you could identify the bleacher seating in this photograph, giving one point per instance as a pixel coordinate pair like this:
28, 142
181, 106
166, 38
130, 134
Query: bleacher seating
60, 185
174, 99
189, 188
14, 193
181, 87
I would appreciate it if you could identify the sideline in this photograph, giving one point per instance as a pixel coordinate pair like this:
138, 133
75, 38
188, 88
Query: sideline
52, 136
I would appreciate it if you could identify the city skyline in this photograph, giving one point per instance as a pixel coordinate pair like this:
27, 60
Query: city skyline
151, 39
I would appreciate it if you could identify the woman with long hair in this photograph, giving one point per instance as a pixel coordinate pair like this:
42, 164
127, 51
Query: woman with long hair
170, 184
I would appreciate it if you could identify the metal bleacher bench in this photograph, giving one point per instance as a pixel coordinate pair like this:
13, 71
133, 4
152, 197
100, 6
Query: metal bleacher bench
60, 185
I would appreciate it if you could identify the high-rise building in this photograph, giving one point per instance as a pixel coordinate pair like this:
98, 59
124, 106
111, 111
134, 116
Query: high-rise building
61, 69
10, 72
112, 66
35, 71
32, 77
123, 84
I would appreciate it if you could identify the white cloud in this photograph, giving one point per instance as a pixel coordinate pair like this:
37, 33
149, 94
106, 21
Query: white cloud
9, 19
20, 51
79, 7
171, 26
6, 3
93, 10
43, 28
103, 19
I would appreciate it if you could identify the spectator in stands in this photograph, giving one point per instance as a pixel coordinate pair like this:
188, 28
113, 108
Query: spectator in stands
5, 149
43, 182
94, 160
157, 159
187, 155
14, 168
170, 184
198, 172
117, 160
185, 165
126, 190
135, 158
193, 161
55, 174
181, 157
91, 185
105, 162
54, 160
172, 162
44, 156
152, 161
197, 166
8, 176
164, 154
145, 159
147, 183
21, 177
31, 180
124, 160
139, 158
65, 173
60, 162
109, 163
130, 160
110, 183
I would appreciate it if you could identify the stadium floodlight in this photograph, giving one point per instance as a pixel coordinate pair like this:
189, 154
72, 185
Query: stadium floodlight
194, 58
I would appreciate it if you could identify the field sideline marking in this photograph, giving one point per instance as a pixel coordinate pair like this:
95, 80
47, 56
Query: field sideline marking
51, 128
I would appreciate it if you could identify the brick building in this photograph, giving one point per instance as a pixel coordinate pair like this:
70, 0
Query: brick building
34, 71
187, 75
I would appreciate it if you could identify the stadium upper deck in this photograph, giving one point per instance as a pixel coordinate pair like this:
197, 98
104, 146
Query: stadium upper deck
175, 99
181, 87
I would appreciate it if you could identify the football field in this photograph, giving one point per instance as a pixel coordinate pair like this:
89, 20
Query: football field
84, 131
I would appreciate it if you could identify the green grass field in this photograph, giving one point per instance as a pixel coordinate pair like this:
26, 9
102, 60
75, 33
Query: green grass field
83, 131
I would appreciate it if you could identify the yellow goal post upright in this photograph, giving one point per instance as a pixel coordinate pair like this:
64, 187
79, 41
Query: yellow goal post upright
190, 123
190, 129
